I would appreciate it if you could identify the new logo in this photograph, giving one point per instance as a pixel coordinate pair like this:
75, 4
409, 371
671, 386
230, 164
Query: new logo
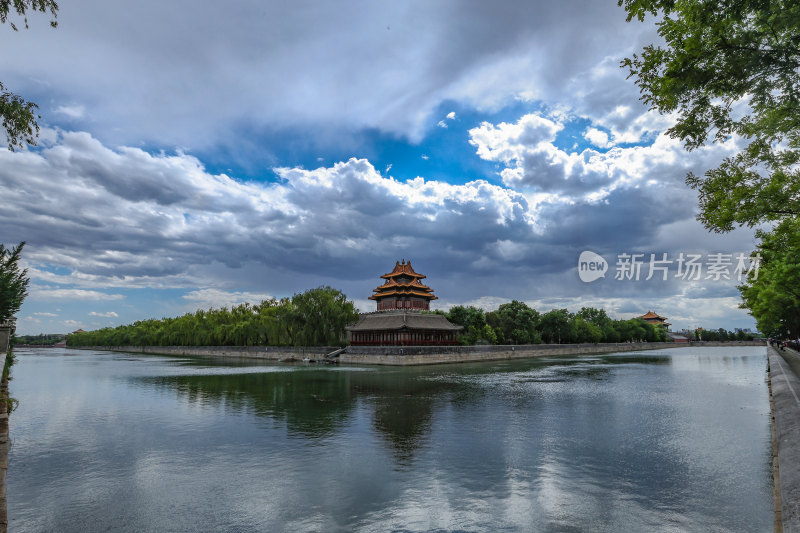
591, 266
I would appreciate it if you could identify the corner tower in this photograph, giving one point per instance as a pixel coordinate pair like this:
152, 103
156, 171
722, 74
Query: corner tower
403, 290
400, 319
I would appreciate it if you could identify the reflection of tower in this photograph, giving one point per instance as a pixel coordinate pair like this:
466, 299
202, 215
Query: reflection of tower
403, 407
401, 319
403, 421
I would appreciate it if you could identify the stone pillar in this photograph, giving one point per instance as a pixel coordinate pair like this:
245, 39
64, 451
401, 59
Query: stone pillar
5, 337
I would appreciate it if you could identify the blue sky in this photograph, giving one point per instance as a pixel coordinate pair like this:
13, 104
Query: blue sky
194, 157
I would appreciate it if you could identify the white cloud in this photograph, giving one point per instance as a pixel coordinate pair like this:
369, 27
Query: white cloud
531, 158
161, 220
316, 50
75, 111
108, 314
45, 314
49, 293
450, 116
205, 298
597, 138
243, 241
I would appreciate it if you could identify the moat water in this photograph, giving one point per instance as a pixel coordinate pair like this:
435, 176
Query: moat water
671, 440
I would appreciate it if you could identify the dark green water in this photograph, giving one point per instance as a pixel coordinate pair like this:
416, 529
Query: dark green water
676, 440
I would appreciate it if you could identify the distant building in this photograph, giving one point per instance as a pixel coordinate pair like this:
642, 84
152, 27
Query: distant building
400, 319
63, 344
657, 320
678, 337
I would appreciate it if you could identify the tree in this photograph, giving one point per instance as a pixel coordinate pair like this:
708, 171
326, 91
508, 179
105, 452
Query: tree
13, 281
586, 331
729, 68
322, 315
515, 322
467, 316
557, 326
473, 320
772, 294
19, 116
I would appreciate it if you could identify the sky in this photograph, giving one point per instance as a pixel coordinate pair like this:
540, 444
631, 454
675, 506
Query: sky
196, 154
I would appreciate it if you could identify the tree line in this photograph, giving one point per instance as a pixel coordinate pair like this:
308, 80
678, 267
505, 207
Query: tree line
517, 323
42, 339
721, 335
316, 317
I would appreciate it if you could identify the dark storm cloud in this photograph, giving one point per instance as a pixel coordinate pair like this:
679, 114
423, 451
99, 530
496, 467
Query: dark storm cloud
191, 73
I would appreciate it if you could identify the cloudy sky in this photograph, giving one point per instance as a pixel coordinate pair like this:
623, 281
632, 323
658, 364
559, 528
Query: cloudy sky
201, 154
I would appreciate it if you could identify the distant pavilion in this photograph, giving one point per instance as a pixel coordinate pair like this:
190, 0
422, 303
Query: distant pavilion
401, 318
657, 320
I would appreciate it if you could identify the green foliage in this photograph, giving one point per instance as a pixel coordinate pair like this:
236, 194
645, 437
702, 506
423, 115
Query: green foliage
557, 326
773, 293
19, 116
515, 323
13, 281
19, 119
473, 319
315, 317
719, 59
11, 359
585, 331
321, 316
22, 7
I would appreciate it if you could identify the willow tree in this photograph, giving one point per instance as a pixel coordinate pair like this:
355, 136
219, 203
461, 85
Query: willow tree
13, 281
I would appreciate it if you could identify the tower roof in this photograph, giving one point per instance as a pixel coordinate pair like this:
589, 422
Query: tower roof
402, 269
401, 283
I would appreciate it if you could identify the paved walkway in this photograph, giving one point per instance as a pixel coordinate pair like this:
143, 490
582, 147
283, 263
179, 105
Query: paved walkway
784, 369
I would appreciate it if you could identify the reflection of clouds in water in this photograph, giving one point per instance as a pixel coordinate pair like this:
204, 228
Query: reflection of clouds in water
472, 448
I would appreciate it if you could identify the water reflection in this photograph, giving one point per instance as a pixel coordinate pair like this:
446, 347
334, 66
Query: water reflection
666, 441
315, 402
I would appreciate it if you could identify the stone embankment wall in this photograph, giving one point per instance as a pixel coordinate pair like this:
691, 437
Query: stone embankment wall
5, 340
427, 355
271, 353
409, 355
785, 402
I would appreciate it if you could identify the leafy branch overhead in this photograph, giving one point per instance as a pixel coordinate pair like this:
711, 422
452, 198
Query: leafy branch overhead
19, 116
729, 68
22, 7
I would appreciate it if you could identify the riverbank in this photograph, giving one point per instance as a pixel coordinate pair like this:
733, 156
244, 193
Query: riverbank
411, 355
785, 388
5, 346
